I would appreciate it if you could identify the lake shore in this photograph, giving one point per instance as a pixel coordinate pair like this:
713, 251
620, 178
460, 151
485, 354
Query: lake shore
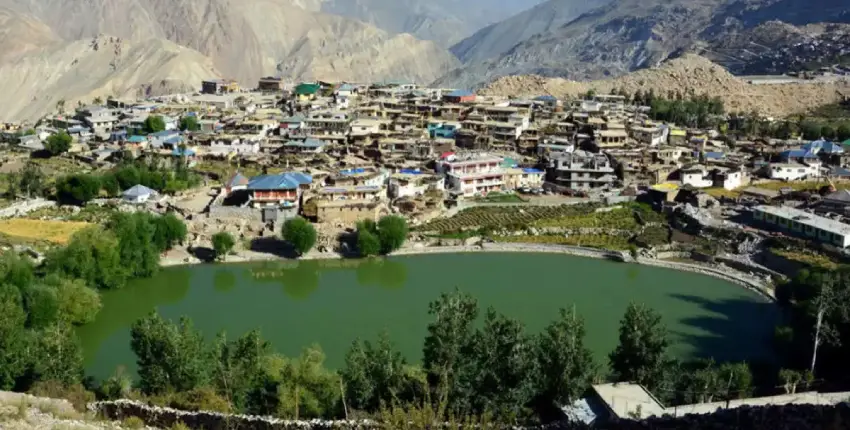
725, 273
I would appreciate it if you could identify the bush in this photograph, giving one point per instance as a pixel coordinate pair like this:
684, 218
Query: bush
93, 256
368, 243
76, 394
58, 143
77, 189
133, 423
169, 231
300, 233
392, 232
222, 243
154, 124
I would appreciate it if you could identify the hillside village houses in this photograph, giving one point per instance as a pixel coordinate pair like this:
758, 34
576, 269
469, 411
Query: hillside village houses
345, 151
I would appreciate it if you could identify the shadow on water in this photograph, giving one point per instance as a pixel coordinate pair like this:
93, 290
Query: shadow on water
735, 330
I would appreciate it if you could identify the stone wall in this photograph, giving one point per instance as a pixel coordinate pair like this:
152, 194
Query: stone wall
23, 208
753, 418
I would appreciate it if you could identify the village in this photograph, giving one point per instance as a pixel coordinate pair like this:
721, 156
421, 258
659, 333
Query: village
458, 166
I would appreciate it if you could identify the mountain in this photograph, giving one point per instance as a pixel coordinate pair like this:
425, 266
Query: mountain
443, 21
495, 39
98, 67
687, 74
247, 39
625, 35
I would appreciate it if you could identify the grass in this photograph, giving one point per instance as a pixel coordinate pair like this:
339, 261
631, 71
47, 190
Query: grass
776, 186
224, 169
807, 258
723, 192
500, 198
38, 230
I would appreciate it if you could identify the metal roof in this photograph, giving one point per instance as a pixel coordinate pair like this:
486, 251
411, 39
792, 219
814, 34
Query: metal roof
460, 93
282, 181
806, 218
138, 191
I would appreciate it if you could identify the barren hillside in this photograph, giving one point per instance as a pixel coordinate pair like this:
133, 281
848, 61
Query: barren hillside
20, 33
690, 73
97, 67
250, 38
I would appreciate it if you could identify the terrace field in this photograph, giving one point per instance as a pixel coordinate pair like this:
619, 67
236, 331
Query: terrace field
40, 230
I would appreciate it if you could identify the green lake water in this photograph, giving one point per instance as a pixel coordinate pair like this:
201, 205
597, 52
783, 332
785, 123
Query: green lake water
332, 302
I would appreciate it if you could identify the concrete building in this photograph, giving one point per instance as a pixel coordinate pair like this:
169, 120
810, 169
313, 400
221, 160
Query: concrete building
282, 190
473, 175
270, 83
581, 170
803, 224
219, 86
794, 171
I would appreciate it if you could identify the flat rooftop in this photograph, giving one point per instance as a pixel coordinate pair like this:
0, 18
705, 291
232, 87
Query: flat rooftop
806, 218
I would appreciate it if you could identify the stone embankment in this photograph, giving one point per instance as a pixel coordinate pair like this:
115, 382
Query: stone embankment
25, 207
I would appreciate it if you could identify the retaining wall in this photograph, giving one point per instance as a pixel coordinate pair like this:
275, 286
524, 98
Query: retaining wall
23, 208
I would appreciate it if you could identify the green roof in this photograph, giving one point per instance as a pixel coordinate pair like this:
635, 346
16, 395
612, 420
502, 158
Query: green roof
306, 89
846, 142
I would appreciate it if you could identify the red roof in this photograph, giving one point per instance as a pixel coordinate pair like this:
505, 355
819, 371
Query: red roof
446, 154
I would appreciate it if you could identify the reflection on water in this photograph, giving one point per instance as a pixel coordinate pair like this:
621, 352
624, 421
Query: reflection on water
299, 279
224, 281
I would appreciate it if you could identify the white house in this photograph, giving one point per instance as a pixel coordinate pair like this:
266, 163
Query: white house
138, 194
804, 224
794, 171
697, 177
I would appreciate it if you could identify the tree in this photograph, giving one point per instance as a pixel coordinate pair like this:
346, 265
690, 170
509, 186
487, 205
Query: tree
92, 255
502, 372
170, 356
222, 244
60, 106
392, 232
842, 133
368, 243
31, 180
97, 100
640, 356
238, 366
154, 124
830, 305
77, 189
566, 364
57, 356
58, 143
811, 130
12, 339
448, 348
189, 123
78, 304
827, 132
168, 231
109, 184
136, 245
16, 270
42, 305
300, 233
296, 388
374, 374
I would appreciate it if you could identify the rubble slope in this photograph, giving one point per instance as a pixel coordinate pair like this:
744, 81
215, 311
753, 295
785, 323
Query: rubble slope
97, 67
689, 73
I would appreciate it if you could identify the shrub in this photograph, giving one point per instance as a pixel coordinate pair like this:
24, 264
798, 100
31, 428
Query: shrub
300, 233
76, 394
368, 243
77, 189
133, 423
223, 243
392, 232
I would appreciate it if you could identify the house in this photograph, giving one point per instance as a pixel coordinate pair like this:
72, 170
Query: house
352, 192
803, 224
409, 183
282, 190
696, 176
270, 83
98, 118
523, 178
307, 146
581, 170
444, 130
346, 90
459, 96
347, 211
236, 182
306, 91
610, 138
837, 202
219, 86
793, 171
138, 194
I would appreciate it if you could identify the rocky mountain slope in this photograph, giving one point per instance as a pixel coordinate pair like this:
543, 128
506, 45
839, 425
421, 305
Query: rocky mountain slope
688, 74
250, 38
625, 35
97, 67
443, 21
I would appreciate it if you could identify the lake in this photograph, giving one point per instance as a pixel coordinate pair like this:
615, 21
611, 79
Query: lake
333, 302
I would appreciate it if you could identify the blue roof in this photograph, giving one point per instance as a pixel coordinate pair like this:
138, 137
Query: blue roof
356, 171
307, 143
798, 153
825, 146
237, 179
546, 98
714, 155
173, 140
165, 133
460, 93
530, 170
411, 172
346, 87
137, 139
282, 181
839, 171
188, 152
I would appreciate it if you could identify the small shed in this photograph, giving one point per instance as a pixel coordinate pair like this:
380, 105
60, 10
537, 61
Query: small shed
138, 194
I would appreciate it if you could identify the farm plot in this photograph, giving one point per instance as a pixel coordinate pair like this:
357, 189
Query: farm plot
40, 230
502, 217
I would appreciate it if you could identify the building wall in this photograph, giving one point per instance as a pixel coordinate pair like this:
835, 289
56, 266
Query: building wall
787, 173
346, 214
697, 179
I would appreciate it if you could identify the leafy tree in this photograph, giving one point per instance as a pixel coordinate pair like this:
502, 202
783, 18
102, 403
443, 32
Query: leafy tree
374, 374
109, 184
12, 340
640, 356
368, 243
170, 356
827, 132
78, 304
77, 189
447, 349
503, 369
842, 133
830, 305
392, 232
16, 270
136, 245
42, 305
57, 356
239, 366
92, 255
189, 123
222, 244
128, 176
811, 130
296, 388
566, 364
154, 124
300, 233
58, 143
168, 231
32, 180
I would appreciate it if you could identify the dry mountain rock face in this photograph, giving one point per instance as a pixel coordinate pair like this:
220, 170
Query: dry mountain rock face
625, 35
688, 74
